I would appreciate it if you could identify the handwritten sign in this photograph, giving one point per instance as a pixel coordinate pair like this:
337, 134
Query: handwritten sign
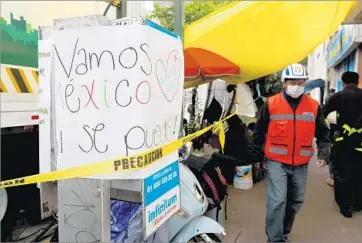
128, 21
118, 91
44, 56
161, 197
80, 22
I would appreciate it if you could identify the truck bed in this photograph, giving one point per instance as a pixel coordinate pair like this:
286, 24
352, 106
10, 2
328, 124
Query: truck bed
19, 96
19, 109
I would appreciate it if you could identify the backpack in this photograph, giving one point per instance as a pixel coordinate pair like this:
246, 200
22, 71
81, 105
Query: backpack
259, 170
227, 165
211, 180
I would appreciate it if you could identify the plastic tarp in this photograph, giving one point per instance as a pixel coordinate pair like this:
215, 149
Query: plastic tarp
127, 224
313, 84
126, 221
263, 37
244, 101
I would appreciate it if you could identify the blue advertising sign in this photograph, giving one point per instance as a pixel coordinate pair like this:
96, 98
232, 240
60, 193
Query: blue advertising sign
161, 197
339, 85
339, 45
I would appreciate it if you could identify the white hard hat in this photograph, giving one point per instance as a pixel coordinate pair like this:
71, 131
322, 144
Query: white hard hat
294, 71
332, 117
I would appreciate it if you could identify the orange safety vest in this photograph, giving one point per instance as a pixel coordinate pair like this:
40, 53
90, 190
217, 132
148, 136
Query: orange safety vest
290, 133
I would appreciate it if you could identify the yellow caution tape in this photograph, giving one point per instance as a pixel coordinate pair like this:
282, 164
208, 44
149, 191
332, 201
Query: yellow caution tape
129, 163
219, 129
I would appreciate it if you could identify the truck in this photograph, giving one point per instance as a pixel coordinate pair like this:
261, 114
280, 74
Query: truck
25, 141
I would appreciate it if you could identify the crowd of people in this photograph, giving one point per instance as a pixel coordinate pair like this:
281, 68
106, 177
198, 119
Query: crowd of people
284, 134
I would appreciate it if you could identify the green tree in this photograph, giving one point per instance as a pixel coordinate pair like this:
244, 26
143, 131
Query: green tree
270, 85
193, 11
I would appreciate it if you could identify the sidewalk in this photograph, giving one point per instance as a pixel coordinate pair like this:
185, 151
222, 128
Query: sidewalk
318, 221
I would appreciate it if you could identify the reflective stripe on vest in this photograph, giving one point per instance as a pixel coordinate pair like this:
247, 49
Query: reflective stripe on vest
309, 117
350, 131
306, 152
285, 151
278, 151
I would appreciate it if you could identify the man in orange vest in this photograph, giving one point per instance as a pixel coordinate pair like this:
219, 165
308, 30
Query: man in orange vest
287, 125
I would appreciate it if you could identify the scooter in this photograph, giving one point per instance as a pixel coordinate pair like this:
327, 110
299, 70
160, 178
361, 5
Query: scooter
189, 223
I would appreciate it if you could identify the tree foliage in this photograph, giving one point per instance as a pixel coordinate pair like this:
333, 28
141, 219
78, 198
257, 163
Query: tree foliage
266, 86
270, 85
193, 11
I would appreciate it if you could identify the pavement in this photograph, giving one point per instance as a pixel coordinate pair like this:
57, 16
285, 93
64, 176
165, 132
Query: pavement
318, 221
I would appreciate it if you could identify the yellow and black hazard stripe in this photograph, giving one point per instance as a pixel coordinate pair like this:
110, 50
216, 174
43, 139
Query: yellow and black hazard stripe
2, 87
19, 80
36, 76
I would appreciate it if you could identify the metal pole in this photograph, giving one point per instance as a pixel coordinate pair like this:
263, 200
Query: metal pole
179, 17
122, 11
178, 28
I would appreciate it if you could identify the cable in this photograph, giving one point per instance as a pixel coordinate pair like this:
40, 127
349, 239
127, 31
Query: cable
37, 239
28, 236
46, 236
45, 229
25, 228
107, 8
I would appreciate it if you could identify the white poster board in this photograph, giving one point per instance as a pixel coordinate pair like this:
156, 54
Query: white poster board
118, 92
44, 54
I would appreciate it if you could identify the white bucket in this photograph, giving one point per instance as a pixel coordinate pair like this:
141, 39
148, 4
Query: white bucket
243, 178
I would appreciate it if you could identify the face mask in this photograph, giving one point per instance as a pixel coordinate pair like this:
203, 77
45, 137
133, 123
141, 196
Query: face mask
294, 91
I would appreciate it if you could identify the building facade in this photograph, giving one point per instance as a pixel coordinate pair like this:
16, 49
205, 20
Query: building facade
344, 54
317, 67
139, 8
340, 53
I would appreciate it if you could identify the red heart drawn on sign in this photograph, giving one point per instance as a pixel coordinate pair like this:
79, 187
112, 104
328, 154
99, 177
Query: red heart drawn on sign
168, 76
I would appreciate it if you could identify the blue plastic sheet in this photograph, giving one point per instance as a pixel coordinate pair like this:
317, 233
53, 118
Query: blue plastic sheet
312, 84
126, 222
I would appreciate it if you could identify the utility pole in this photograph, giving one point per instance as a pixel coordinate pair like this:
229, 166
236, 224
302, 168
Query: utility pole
122, 9
179, 17
178, 27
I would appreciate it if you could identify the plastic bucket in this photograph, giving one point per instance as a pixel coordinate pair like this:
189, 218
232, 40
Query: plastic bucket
243, 178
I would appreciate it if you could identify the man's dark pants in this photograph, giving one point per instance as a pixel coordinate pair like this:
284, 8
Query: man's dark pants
285, 197
347, 172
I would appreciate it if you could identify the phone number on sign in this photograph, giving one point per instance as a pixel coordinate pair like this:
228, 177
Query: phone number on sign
162, 181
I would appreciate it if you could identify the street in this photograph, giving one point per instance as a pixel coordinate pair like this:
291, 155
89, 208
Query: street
318, 221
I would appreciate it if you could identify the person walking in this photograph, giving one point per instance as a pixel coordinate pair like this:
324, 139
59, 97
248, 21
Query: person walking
331, 118
347, 166
286, 127
332, 132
